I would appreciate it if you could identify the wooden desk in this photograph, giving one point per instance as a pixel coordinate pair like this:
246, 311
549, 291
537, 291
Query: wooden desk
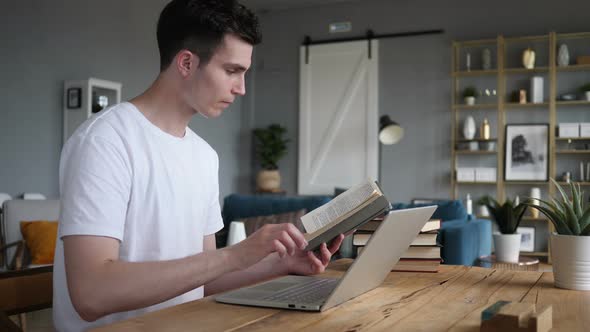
449, 300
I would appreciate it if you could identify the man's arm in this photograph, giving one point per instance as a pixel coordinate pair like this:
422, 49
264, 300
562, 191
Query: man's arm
100, 284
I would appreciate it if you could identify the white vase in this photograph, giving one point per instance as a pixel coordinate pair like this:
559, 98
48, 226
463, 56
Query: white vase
535, 195
563, 56
469, 128
570, 255
587, 93
507, 247
470, 101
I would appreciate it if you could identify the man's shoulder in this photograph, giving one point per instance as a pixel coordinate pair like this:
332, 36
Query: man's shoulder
201, 144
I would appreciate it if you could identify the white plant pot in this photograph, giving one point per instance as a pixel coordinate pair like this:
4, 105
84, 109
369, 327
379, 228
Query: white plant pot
507, 247
587, 95
570, 255
470, 101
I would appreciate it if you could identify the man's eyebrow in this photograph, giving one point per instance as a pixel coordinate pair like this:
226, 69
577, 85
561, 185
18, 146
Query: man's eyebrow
236, 66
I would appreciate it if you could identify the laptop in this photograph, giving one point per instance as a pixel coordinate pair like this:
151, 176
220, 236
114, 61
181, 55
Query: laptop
371, 267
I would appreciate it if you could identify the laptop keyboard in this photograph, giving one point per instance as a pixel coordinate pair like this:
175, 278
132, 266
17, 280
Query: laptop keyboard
312, 291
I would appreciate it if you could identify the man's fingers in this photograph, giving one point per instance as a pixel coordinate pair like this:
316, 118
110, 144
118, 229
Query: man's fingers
326, 254
335, 244
296, 235
279, 248
288, 242
317, 265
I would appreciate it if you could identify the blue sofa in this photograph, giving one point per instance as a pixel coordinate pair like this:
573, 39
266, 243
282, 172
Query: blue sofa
462, 237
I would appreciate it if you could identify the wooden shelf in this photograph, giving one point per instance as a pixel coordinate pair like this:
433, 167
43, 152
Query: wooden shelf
572, 103
535, 253
527, 105
526, 71
536, 183
563, 183
477, 140
475, 152
464, 73
574, 68
572, 138
467, 182
475, 107
573, 152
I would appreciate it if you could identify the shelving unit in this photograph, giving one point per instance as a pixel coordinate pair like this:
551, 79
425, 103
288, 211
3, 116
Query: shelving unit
506, 76
81, 101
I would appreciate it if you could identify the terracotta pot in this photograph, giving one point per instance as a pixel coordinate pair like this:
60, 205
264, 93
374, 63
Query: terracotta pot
268, 180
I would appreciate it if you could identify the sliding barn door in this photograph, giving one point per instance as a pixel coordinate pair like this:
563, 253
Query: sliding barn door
338, 116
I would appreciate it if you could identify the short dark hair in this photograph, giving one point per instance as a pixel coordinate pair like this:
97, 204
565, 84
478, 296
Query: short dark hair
199, 26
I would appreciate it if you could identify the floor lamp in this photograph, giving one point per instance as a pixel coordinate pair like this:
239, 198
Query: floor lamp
390, 132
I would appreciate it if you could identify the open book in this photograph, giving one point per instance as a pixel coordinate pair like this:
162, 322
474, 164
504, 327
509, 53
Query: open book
344, 213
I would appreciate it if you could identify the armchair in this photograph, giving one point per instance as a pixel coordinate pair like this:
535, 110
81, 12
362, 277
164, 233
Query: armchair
24, 287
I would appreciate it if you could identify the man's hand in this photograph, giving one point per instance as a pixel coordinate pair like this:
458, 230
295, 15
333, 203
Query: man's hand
308, 263
284, 239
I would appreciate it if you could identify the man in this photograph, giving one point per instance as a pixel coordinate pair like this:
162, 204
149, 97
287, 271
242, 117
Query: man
140, 189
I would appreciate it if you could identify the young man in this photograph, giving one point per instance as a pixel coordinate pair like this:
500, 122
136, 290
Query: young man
140, 190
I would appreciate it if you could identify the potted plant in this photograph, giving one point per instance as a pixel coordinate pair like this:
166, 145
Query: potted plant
570, 244
585, 89
507, 216
469, 95
270, 148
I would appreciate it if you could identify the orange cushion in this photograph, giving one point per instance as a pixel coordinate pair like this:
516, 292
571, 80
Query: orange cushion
40, 237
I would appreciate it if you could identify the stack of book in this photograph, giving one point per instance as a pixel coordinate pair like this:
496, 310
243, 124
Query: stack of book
423, 255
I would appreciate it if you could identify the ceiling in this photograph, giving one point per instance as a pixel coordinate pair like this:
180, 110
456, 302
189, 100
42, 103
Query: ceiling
266, 5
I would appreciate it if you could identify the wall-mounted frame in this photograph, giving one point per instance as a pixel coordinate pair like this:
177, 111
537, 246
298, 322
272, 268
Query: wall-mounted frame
526, 155
527, 240
74, 99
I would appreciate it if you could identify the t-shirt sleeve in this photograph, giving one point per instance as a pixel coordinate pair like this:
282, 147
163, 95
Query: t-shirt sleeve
95, 188
214, 220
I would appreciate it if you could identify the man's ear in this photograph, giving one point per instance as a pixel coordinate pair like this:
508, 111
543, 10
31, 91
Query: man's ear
186, 62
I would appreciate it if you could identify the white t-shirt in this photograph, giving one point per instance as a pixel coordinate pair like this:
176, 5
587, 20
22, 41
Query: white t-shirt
124, 178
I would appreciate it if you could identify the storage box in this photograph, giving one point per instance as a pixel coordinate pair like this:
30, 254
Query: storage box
585, 129
569, 129
485, 174
465, 174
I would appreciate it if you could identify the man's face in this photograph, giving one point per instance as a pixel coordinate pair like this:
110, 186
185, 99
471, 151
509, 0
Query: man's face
214, 86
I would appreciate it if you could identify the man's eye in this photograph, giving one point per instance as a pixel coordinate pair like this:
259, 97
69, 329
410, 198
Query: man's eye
230, 71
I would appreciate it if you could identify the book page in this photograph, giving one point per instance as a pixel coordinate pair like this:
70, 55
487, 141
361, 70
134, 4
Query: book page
339, 206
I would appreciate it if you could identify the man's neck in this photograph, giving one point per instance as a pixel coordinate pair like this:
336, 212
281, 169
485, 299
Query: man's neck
163, 107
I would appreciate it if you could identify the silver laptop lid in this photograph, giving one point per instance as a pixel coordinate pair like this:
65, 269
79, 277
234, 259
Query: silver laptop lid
381, 253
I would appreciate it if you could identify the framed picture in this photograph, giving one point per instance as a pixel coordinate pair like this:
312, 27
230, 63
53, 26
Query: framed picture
527, 152
74, 96
527, 241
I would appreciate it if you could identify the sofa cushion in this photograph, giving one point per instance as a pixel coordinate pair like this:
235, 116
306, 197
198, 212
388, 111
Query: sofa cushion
447, 209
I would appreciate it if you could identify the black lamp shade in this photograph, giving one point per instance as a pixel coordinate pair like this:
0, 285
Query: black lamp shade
390, 132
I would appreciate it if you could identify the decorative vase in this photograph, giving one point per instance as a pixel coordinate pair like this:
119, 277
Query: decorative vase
528, 58
268, 180
570, 255
484, 131
486, 59
507, 247
469, 128
470, 101
563, 56
535, 195
587, 93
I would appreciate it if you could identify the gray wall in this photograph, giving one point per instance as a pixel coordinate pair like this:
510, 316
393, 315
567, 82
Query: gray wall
414, 72
44, 43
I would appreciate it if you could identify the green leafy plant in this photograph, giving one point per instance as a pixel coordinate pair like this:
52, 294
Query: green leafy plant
270, 145
507, 216
585, 88
469, 91
569, 216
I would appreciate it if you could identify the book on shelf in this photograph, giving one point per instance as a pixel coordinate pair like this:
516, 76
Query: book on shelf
414, 252
417, 265
345, 212
422, 239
